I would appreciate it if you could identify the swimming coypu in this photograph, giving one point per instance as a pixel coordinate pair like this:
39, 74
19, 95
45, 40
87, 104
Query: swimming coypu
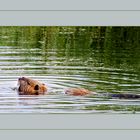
28, 86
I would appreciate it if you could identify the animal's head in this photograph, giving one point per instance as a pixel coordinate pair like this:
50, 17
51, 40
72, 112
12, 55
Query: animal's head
28, 86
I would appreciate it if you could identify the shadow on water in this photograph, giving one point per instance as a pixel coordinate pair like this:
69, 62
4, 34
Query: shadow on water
101, 59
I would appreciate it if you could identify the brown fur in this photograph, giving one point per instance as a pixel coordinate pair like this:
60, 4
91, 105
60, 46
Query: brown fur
28, 86
77, 91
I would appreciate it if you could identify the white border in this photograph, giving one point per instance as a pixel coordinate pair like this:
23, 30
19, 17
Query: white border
59, 13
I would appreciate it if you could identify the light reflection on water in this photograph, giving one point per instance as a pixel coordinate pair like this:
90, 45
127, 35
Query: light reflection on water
59, 71
57, 78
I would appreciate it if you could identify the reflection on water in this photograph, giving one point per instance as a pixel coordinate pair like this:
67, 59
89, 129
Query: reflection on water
101, 59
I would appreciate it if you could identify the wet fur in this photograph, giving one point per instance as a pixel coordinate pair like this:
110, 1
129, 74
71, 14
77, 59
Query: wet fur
77, 91
28, 86
83, 92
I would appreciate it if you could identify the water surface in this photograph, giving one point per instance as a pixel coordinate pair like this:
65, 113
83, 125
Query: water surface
64, 57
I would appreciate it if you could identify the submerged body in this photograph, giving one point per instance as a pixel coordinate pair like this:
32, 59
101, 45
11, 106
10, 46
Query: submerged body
83, 92
77, 91
125, 96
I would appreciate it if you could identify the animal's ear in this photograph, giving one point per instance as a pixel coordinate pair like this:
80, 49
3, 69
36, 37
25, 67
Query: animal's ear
36, 87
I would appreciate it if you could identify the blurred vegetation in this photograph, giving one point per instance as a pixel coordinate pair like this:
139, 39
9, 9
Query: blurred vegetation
109, 57
109, 36
110, 43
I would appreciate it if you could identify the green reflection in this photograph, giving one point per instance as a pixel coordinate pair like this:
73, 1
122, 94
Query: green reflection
106, 59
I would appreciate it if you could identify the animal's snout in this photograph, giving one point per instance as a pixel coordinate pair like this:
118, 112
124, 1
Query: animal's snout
67, 91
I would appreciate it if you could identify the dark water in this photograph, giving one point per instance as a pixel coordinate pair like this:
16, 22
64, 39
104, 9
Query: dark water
64, 58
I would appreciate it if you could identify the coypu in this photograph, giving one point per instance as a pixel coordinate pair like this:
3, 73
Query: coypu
28, 86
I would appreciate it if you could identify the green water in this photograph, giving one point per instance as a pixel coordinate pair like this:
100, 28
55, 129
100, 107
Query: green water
101, 59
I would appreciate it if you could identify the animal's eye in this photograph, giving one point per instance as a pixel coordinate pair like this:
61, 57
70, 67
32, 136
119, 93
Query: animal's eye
36, 87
